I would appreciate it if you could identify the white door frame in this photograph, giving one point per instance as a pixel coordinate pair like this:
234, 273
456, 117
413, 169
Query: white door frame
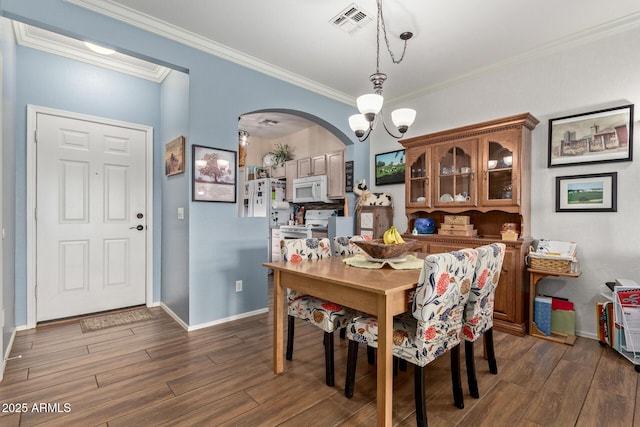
32, 110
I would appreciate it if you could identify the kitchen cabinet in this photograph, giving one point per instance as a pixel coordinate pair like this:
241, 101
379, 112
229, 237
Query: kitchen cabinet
318, 165
291, 173
373, 220
335, 175
304, 167
482, 171
276, 254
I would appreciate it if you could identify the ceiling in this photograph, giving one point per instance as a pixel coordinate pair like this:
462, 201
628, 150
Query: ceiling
454, 40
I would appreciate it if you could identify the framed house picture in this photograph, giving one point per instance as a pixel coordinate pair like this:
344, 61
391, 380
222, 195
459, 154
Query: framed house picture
174, 157
214, 175
390, 167
587, 193
596, 137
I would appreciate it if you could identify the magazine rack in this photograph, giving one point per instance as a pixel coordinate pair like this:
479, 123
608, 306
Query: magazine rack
534, 277
626, 318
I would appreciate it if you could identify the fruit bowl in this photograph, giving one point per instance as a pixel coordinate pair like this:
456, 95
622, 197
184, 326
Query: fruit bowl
379, 250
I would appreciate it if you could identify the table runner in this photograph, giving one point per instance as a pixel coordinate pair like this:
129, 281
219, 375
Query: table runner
362, 261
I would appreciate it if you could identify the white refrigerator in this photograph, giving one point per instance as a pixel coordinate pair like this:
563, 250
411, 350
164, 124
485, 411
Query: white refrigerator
266, 198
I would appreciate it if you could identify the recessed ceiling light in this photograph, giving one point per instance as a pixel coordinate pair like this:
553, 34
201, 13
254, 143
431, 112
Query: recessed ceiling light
99, 49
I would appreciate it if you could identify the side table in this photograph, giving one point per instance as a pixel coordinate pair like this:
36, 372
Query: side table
534, 277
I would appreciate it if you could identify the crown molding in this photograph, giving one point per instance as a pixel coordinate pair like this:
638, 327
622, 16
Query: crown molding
175, 33
74, 49
608, 29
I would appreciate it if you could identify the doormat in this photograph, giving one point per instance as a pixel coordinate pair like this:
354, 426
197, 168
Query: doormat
117, 319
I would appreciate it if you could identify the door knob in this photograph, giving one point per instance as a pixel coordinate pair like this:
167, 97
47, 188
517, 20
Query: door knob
137, 227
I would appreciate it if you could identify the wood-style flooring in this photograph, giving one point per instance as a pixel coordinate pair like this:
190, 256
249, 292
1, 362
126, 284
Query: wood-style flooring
154, 373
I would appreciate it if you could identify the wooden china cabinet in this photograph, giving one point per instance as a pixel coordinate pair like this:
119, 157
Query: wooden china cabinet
482, 171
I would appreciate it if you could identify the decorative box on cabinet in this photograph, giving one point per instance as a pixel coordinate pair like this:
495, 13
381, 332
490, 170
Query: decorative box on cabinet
374, 220
488, 166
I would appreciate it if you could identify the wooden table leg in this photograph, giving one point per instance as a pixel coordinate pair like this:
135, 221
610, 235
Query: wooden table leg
278, 322
385, 363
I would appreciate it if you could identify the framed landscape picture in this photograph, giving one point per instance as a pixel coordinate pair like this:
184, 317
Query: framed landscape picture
596, 137
390, 167
214, 175
587, 193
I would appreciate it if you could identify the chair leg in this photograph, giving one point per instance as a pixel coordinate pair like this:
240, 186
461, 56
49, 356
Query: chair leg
491, 354
328, 358
456, 382
343, 333
290, 330
471, 369
418, 392
350, 378
371, 355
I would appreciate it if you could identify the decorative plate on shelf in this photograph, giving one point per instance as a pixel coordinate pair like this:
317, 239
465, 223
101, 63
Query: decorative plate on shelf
446, 198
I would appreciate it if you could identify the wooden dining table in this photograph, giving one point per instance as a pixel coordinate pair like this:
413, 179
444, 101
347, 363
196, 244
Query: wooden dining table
381, 292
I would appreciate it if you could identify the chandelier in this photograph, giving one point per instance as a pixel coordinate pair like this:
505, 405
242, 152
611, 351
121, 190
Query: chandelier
370, 105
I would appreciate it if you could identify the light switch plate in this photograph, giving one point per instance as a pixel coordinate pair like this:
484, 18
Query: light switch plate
180, 213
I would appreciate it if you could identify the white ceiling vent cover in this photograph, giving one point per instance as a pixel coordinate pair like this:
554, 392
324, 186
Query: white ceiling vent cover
351, 19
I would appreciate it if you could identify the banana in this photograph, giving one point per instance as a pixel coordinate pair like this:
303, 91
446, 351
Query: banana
398, 237
389, 237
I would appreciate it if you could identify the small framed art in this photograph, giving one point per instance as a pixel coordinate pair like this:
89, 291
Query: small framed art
587, 193
174, 157
390, 167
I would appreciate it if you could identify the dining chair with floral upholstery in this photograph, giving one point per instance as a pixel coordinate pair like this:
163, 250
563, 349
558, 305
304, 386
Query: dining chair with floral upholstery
324, 314
431, 329
343, 245
478, 313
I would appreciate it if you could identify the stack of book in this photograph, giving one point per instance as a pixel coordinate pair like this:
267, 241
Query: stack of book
457, 225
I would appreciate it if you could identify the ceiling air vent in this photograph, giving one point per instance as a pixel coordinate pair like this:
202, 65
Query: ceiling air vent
351, 19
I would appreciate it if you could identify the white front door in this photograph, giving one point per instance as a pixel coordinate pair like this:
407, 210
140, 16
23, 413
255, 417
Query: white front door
90, 216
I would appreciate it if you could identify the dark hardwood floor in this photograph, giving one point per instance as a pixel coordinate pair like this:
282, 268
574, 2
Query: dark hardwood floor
154, 373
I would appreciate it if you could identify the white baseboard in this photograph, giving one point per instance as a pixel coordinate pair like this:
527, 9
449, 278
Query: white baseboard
229, 319
7, 353
213, 323
174, 316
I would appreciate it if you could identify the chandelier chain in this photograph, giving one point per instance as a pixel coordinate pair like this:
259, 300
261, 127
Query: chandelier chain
380, 24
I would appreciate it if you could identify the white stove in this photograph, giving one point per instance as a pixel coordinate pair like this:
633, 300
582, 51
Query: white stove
312, 219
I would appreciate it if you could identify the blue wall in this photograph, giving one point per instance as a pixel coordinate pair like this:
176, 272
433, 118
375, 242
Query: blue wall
221, 248
175, 194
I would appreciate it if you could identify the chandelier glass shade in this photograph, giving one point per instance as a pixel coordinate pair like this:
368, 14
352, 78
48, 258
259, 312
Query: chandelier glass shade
370, 105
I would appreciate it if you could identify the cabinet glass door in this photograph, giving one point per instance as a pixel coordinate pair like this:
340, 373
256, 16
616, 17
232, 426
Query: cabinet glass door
456, 174
500, 163
417, 178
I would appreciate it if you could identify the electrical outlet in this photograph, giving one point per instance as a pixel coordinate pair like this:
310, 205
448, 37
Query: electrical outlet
238, 285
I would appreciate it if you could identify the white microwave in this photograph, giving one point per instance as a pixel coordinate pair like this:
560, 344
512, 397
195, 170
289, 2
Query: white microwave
310, 189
